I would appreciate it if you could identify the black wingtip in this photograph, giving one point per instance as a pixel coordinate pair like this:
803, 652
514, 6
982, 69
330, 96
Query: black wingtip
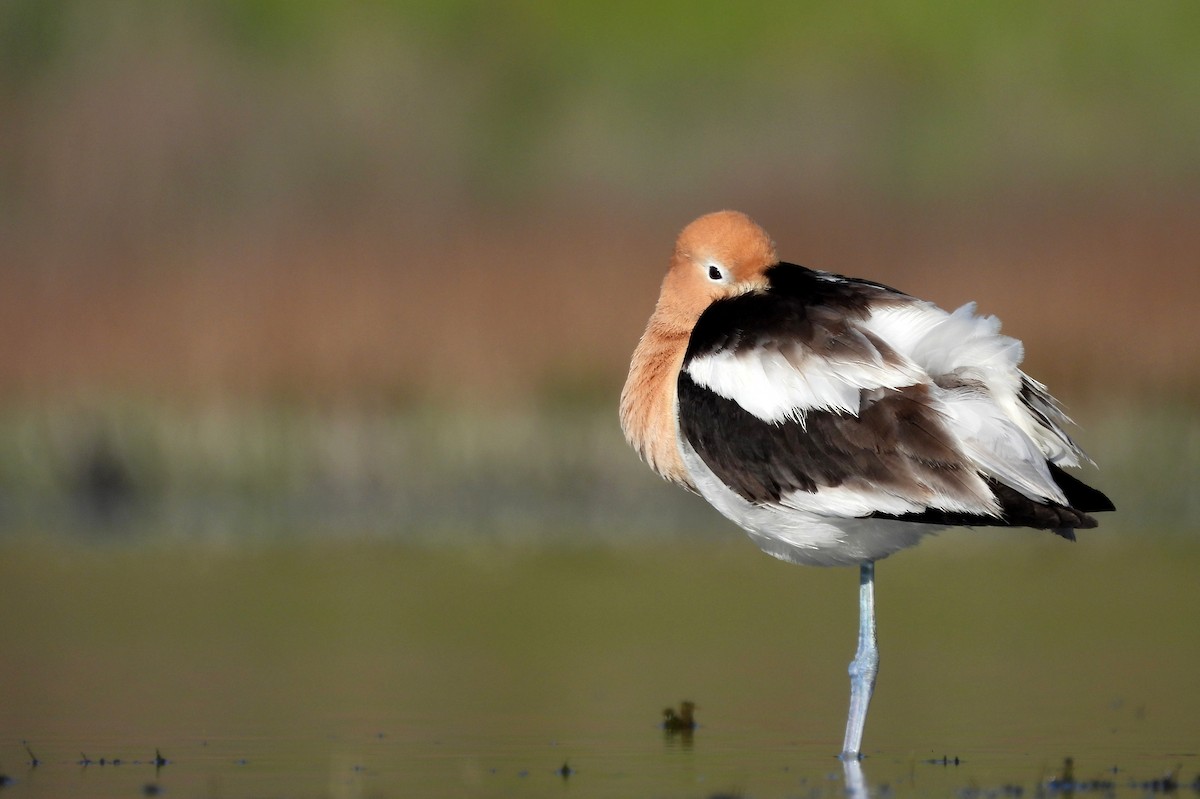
1080, 495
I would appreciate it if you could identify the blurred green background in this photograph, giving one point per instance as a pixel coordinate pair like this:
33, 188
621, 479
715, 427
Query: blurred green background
282, 265
313, 319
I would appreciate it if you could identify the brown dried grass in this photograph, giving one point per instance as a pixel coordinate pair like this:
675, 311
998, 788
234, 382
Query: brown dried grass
484, 307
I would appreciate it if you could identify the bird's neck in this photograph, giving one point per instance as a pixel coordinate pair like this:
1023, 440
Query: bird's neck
648, 401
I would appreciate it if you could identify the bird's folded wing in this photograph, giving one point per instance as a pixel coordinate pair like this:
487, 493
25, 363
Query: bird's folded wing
866, 402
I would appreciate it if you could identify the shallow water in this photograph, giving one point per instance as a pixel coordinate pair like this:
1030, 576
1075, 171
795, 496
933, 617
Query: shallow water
374, 669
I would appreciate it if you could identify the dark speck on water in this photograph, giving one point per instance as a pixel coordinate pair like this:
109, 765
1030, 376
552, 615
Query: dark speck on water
151, 789
1004, 790
944, 760
684, 719
1168, 783
1066, 782
33, 761
565, 771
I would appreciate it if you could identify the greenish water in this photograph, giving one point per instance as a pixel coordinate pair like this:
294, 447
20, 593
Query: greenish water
380, 669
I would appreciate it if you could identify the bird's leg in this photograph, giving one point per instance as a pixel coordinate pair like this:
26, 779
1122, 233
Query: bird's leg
865, 665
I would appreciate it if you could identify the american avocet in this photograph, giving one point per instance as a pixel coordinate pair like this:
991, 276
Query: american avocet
838, 420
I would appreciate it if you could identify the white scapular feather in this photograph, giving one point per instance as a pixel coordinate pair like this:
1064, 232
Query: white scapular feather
970, 349
998, 446
1047, 431
960, 343
780, 382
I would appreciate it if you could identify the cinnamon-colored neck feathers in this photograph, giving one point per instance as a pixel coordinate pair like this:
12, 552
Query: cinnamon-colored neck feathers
719, 255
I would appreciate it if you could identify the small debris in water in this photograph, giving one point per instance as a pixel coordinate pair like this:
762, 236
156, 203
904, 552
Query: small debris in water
33, 761
566, 770
1008, 789
1168, 783
944, 760
159, 760
84, 760
1067, 783
151, 789
683, 720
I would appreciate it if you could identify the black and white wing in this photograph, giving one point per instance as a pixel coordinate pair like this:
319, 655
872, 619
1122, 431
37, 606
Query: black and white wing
844, 398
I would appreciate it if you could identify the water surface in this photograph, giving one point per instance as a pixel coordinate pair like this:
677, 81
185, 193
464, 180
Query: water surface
378, 669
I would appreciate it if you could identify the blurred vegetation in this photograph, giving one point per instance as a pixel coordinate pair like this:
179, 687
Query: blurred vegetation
294, 256
246, 103
542, 475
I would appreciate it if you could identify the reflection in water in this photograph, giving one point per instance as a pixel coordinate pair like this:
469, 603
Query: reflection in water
683, 737
856, 780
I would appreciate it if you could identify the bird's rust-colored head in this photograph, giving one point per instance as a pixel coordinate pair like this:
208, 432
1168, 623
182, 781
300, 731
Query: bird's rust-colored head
719, 255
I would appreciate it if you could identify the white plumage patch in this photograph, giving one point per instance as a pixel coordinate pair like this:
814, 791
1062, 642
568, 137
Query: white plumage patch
850, 501
966, 348
998, 446
941, 343
779, 382
1044, 424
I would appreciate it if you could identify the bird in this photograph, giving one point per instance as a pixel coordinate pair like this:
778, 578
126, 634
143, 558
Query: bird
837, 420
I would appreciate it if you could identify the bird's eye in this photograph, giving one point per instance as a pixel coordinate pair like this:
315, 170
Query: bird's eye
714, 273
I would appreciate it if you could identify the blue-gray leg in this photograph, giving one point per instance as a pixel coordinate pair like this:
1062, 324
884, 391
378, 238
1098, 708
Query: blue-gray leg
865, 665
